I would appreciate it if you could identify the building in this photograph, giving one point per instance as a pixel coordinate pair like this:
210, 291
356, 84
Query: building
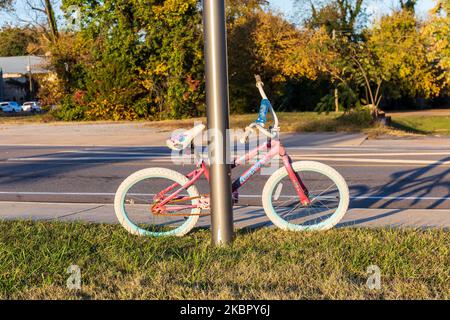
15, 76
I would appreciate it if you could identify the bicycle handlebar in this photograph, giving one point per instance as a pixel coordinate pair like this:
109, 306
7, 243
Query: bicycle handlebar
249, 130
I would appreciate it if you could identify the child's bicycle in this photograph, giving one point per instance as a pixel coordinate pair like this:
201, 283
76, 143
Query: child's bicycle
300, 196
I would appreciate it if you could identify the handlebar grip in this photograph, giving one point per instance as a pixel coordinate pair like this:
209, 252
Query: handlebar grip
263, 110
258, 79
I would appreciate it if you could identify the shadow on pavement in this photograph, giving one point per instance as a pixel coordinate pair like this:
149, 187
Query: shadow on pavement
412, 186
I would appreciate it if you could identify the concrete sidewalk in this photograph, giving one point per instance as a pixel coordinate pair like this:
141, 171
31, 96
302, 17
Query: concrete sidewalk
244, 217
109, 134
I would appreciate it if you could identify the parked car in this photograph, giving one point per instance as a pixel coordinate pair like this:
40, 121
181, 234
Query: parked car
10, 106
5, 107
32, 106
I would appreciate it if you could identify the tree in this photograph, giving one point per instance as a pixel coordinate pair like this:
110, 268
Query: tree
15, 41
341, 15
408, 5
400, 47
145, 59
389, 60
437, 31
261, 42
40, 15
5, 4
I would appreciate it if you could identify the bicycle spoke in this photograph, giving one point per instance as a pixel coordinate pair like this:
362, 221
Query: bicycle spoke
323, 193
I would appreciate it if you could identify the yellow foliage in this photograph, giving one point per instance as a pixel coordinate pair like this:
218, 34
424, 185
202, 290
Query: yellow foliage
283, 48
437, 33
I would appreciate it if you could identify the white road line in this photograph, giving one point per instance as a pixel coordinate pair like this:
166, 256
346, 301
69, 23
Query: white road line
148, 154
400, 161
41, 159
180, 160
25, 193
240, 195
378, 154
142, 153
399, 198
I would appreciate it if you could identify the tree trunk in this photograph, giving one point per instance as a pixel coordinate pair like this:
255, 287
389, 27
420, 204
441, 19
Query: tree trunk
51, 20
336, 100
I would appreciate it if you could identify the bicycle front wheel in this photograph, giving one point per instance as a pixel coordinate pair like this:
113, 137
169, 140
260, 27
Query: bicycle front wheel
137, 196
327, 191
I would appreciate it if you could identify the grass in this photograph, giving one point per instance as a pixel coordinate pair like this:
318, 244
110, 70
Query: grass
265, 264
290, 121
314, 122
299, 122
435, 125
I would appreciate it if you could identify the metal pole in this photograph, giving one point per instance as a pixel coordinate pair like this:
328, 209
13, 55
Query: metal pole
218, 120
1, 84
30, 77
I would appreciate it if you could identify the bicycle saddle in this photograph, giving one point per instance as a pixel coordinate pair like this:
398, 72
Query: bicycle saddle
184, 139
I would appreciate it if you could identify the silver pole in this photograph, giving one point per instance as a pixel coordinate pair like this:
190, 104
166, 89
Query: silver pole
218, 120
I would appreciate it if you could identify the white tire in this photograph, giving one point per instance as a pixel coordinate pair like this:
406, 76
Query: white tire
306, 166
119, 202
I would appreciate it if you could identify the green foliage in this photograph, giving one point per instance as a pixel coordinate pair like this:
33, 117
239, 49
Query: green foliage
135, 59
401, 53
358, 116
68, 110
15, 41
145, 60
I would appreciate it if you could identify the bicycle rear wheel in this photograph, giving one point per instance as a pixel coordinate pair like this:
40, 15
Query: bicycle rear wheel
327, 191
137, 195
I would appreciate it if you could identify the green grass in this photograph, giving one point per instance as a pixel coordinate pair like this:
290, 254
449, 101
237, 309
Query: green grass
26, 118
290, 122
436, 125
265, 264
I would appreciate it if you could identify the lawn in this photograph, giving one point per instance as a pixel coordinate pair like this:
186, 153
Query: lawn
264, 264
289, 121
336, 122
436, 125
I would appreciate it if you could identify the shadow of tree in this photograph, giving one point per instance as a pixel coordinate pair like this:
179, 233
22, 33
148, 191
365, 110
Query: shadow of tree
414, 186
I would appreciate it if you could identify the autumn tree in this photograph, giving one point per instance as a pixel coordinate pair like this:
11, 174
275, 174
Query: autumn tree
16, 41
400, 47
340, 15
437, 31
40, 14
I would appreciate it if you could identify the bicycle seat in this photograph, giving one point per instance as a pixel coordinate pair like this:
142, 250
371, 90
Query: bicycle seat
184, 139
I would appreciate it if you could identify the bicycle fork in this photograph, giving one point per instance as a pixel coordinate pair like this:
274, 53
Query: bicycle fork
299, 186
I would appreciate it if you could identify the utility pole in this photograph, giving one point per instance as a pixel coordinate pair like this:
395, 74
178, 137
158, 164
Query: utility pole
217, 100
1, 84
30, 75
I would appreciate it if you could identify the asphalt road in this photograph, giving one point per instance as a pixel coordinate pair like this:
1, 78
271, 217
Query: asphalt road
379, 176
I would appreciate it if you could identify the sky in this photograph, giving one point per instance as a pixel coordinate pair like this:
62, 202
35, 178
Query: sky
377, 8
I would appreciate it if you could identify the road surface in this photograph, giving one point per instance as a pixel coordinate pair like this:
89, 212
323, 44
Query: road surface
391, 176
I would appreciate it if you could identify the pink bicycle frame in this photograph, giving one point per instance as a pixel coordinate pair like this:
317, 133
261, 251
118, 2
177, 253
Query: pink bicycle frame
274, 148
